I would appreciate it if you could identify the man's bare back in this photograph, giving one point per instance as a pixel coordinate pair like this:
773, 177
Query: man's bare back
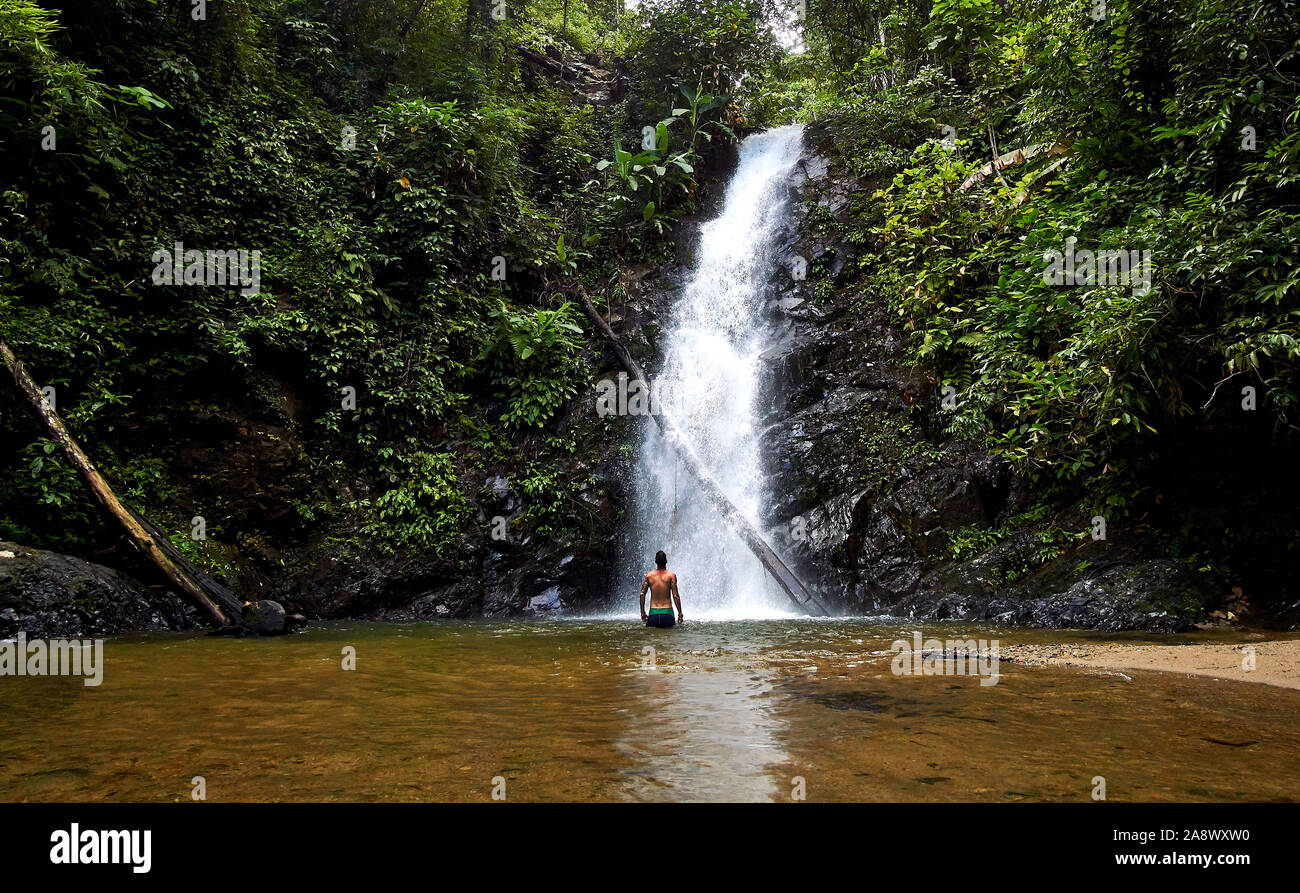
662, 585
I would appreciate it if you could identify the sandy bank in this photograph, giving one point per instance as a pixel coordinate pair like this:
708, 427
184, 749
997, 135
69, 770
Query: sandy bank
1277, 662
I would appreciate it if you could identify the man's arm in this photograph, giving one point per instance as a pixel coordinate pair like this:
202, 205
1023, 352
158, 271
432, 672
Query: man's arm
677, 597
645, 584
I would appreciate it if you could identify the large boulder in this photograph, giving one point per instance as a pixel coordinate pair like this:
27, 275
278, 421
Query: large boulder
265, 617
48, 595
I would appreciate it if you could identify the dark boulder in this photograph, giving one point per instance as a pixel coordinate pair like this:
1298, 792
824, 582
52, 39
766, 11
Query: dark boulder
264, 617
48, 595
1130, 593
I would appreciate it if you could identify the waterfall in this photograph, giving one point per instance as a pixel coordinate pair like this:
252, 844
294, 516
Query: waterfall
709, 377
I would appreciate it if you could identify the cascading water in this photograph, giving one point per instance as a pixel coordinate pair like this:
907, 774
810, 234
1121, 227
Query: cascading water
710, 375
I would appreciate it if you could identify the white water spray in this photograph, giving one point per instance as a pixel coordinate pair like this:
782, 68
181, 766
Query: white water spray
712, 345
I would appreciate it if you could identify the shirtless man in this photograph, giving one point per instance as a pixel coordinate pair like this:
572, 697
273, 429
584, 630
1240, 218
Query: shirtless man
662, 583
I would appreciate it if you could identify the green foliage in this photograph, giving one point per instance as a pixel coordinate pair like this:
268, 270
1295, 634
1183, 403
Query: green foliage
534, 359
1168, 127
970, 541
1077, 382
375, 257
424, 508
724, 46
646, 182
557, 490
1052, 539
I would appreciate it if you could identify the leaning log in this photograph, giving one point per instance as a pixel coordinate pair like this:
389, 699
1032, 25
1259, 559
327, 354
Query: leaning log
1010, 159
220, 605
799, 594
541, 60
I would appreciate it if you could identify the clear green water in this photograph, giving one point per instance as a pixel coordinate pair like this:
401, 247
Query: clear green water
576, 710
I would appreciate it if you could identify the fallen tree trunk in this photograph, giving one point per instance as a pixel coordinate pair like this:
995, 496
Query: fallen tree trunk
1009, 159
541, 60
220, 605
798, 593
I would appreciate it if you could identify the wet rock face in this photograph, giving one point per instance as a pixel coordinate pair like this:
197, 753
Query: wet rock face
48, 595
505, 571
870, 495
506, 556
1130, 593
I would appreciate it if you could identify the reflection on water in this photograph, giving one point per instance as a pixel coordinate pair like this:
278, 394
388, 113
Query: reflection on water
577, 710
708, 732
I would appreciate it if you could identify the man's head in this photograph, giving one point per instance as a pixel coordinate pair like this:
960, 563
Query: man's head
661, 560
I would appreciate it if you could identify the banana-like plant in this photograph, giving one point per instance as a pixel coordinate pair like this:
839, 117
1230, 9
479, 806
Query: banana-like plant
651, 173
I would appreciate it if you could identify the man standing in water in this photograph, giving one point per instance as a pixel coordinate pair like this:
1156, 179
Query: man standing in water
662, 584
